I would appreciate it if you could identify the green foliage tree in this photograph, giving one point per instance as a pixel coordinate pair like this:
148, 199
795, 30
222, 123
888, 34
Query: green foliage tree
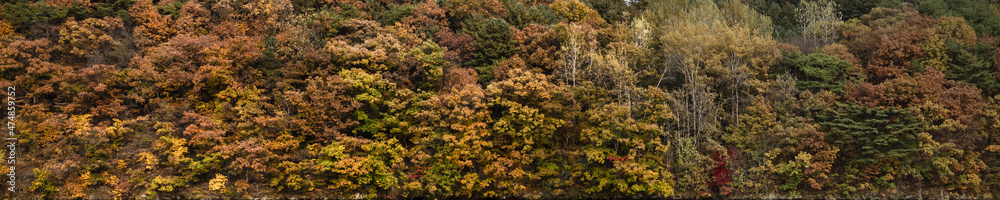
877, 144
782, 14
612, 11
974, 65
856, 8
492, 41
822, 71
521, 15
389, 14
24, 14
981, 14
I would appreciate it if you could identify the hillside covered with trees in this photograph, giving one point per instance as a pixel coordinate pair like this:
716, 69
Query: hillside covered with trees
502, 98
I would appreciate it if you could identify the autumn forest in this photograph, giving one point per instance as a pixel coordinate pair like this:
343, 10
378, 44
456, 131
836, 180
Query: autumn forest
500, 98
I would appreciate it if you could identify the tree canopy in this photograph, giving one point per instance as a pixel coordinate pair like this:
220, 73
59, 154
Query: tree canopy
534, 99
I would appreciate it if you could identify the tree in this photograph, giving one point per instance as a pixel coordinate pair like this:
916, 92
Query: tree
521, 15
852, 9
779, 149
819, 20
576, 11
152, 27
974, 65
747, 58
493, 41
749, 138
193, 18
855, 71
822, 71
88, 38
324, 111
36, 17
945, 109
460, 46
451, 132
877, 144
539, 47
364, 159
782, 14
947, 29
624, 142
389, 13
927, 88
427, 19
579, 46
991, 118
738, 13
711, 53
529, 111
737, 55
367, 45
117, 8
689, 53
501, 98
981, 14
614, 71
897, 35
806, 160
431, 62
461, 10
613, 11
6, 30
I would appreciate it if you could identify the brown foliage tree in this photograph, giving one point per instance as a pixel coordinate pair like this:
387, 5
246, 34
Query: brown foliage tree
538, 46
151, 27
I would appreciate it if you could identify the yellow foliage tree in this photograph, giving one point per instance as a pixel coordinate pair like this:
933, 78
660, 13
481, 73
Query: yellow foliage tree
218, 183
6, 30
576, 11
721, 60
88, 36
947, 29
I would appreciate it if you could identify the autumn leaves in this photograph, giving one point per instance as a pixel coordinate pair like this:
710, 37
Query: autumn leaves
501, 98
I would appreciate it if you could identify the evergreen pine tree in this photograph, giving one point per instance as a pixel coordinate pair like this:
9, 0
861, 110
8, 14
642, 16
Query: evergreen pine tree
822, 71
493, 41
873, 141
973, 65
